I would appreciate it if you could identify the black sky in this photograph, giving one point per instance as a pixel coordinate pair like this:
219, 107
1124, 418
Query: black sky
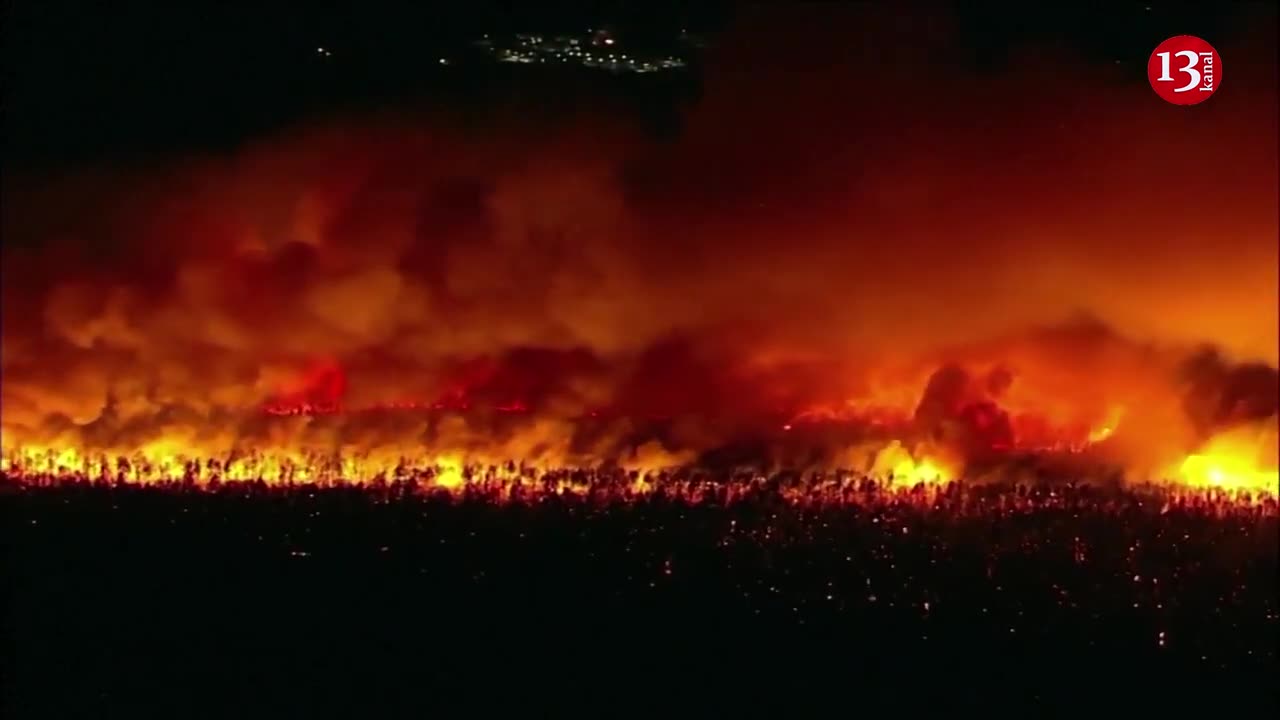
93, 81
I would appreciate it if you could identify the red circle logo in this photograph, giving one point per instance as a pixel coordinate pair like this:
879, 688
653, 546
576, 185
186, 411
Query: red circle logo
1185, 70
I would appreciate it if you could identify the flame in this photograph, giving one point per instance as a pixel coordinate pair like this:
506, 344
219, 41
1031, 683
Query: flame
1099, 434
1108, 426
925, 471
544, 296
1227, 472
449, 473
896, 462
1240, 459
1224, 472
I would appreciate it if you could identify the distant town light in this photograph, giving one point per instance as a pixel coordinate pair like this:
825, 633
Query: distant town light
532, 48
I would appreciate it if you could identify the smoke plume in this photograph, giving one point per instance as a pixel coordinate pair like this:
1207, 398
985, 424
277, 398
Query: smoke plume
991, 262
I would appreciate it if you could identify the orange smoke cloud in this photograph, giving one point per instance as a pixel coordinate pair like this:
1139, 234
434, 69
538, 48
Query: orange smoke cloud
814, 244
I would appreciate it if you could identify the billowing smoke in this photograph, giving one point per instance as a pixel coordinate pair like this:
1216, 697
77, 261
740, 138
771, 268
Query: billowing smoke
991, 264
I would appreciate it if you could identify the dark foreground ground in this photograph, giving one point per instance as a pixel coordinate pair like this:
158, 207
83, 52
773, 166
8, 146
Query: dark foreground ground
141, 603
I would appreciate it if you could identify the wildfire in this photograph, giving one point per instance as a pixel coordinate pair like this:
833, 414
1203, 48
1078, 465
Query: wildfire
1241, 459
1108, 426
494, 427
922, 482
896, 463
449, 473
1225, 471
366, 299
1216, 469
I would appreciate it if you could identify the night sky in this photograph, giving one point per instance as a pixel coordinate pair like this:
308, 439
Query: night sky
88, 81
